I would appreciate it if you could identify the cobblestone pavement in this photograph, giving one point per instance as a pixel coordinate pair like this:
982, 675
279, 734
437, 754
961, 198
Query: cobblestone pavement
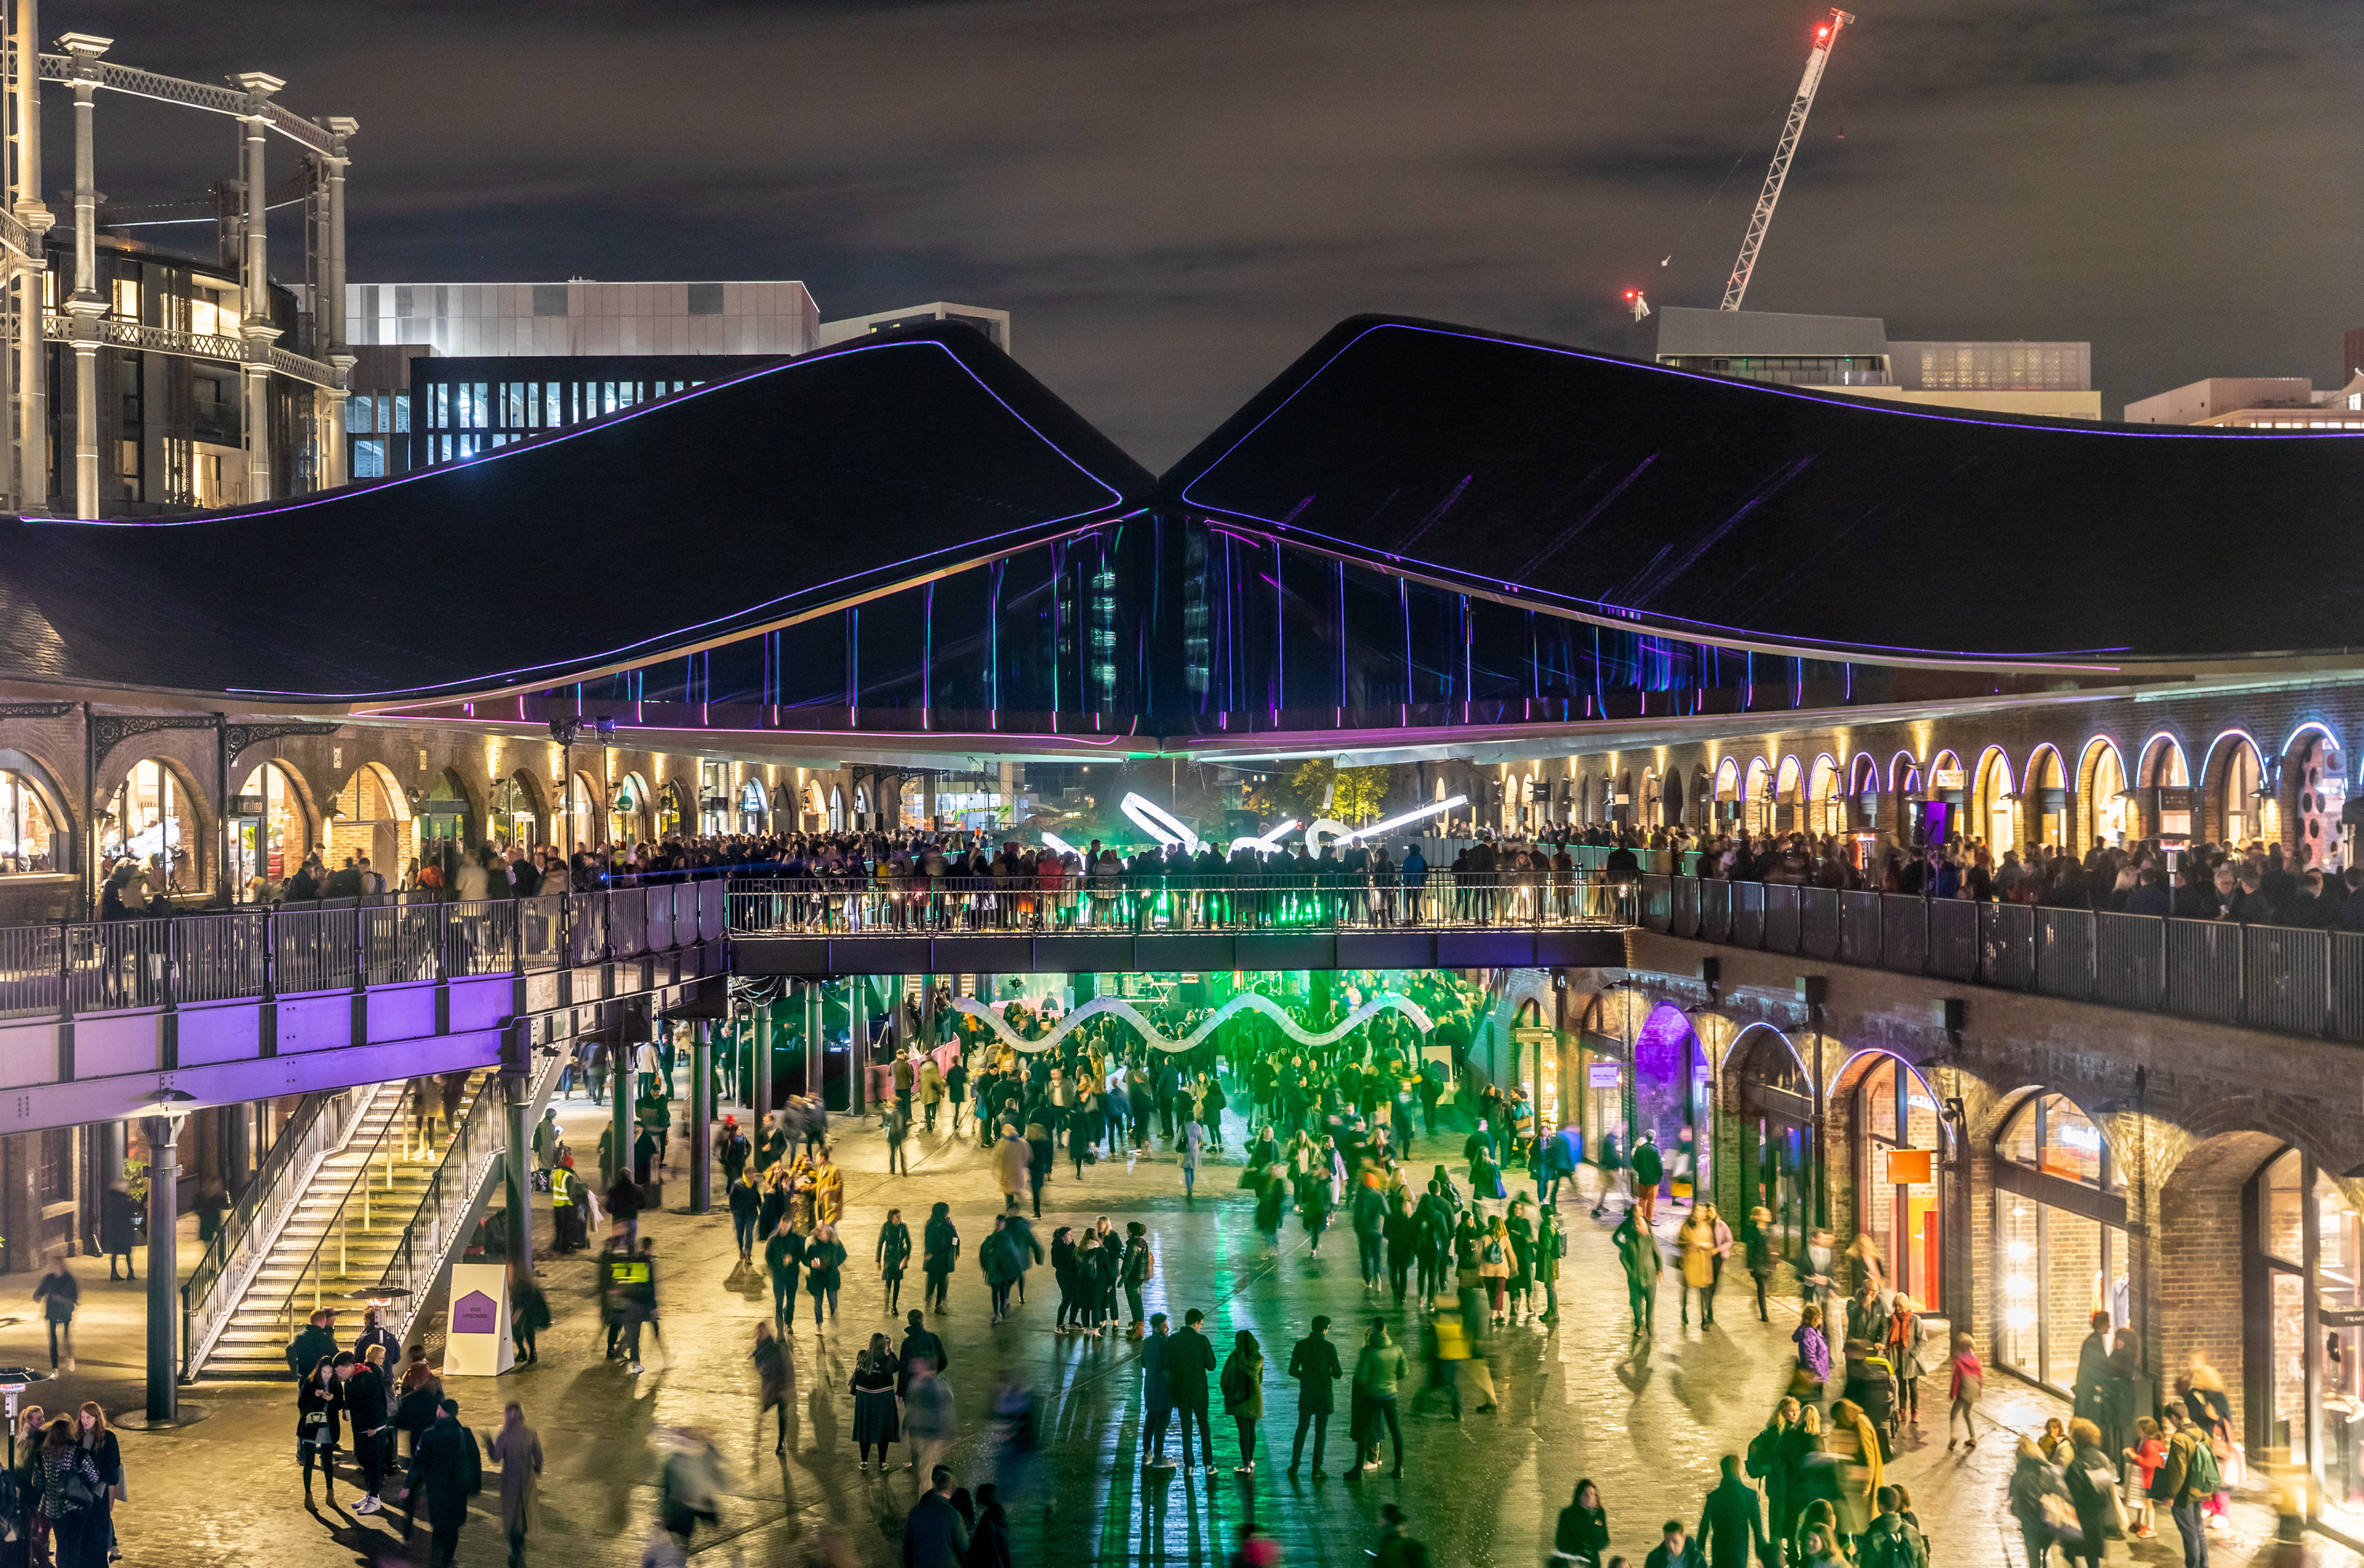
1483, 1491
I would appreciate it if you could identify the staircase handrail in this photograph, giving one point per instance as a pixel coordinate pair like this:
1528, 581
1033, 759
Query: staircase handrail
451, 1192
286, 1314
323, 1123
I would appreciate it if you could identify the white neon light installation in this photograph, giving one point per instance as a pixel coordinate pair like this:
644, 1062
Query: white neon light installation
1250, 1001
1159, 823
1266, 844
1053, 842
1331, 828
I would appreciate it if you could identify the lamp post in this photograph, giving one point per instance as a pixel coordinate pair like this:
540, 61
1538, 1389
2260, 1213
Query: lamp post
162, 1119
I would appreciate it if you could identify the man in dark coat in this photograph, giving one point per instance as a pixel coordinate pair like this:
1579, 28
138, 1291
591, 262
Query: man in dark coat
920, 1344
116, 1228
319, 1339
372, 1423
1731, 1523
934, 1535
447, 1470
1189, 1359
1314, 1365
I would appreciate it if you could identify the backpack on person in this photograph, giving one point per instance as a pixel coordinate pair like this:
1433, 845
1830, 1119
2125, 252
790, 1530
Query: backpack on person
1903, 1547
1764, 1449
2207, 1478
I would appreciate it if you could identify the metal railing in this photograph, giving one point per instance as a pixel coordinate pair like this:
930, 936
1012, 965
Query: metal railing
88, 966
1187, 902
440, 1220
319, 1127
2291, 979
311, 1289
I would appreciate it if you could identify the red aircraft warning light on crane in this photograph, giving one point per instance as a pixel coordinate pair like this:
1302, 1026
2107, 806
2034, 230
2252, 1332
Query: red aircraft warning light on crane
1825, 35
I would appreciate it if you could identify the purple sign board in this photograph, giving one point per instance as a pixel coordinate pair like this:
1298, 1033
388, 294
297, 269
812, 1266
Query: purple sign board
475, 1313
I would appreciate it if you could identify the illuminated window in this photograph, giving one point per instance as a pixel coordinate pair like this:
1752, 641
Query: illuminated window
127, 298
24, 830
369, 460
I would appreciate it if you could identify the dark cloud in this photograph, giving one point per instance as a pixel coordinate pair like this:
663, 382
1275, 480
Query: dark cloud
1176, 197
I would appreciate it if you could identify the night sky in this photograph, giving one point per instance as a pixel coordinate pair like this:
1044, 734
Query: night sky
1174, 199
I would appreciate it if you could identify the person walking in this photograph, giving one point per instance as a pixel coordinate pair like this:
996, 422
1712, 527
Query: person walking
824, 1263
746, 1201
1313, 1362
2038, 1501
940, 1250
1367, 1210
517, 1448
934, 1534
1189, 1148
894, 1255
446, 1469
1968, 1381
1242, 1386
1637, 1251
2091, 1477
783, 1257
1649, 1168
873, 1402
529, 1311
1189, 1359
1401, 1230
1378, 1378
997, 1258
1397, 1547
1760, 1256
1732, 1523
928, 1423
58, 1295
1582, 1533
898, 1133
776, 1383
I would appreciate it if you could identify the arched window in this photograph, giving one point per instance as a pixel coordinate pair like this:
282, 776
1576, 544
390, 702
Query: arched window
268, 832
837, 810
2102, 795
1756, 803
754, 806
1998, 810
1900, 1157
151, 818
517, 812
628, 810
2236, 801
27, 831
1825, 801
582, 813
372, 822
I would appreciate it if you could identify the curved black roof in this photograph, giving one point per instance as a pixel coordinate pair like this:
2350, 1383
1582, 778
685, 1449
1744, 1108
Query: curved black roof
679, 524
1732, 511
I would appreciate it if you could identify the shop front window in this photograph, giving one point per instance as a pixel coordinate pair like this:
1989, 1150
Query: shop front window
267, 834
754, 809
1900, 1163
514, 823
26, 834
2061, 1238
2305, 1266
1777, 1107
149, 820
1669, 1095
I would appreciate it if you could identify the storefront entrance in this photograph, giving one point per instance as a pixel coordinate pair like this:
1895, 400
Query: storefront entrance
2060, 1238
2304, 1408
1775, 1140
1898, 1166
1670, 1093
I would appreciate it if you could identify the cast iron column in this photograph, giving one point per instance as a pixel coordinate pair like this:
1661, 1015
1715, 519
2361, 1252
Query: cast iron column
701, 1117
86, 306
759, 1046
163, 1268
516, 1107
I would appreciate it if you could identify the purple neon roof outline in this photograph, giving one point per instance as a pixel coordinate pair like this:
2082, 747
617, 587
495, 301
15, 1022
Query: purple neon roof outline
1116, 498
1647, 623
1603, 605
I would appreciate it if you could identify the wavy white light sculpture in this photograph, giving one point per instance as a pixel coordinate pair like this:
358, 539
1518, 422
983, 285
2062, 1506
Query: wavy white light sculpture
1249, 1000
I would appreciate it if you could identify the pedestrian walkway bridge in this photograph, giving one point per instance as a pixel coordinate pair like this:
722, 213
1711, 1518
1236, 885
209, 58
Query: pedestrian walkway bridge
97, 1017
821, 927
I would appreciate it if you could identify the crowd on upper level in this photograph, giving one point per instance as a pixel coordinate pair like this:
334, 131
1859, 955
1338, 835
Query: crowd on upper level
2254, 884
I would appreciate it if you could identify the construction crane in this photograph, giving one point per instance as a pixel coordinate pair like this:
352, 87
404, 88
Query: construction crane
1761, 219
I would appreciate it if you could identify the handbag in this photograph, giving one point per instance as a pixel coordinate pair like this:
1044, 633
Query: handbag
2061, 1518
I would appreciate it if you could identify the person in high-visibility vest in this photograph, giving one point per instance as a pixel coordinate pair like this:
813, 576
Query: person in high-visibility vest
563, 1208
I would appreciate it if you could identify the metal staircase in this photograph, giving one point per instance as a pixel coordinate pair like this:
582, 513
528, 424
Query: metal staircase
336, 1231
